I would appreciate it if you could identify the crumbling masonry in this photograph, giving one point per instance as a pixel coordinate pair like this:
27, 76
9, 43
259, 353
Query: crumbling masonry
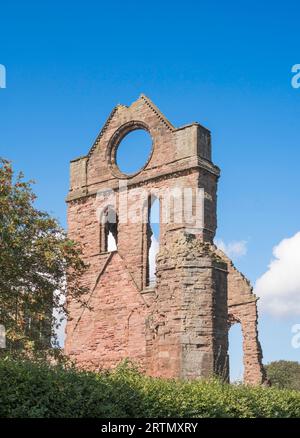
177, 327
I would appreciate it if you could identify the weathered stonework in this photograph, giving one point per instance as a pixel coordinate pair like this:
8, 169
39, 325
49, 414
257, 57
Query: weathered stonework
179, 326
242, 309
188, 332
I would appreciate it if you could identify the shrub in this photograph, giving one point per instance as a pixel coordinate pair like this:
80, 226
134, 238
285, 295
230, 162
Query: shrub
284, 374
35, 389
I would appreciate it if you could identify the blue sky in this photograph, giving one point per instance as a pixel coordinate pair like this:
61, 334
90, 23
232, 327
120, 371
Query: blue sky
226, 65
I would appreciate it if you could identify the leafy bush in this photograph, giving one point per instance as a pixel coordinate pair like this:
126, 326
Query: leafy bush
33, 389
284, 374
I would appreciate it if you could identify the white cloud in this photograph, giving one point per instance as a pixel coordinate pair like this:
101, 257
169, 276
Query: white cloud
234, 249
111, 242
279, 287
154, 247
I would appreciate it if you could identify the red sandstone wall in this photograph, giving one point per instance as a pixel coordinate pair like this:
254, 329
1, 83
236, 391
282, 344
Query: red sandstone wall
242, 309
178, 329
114, 328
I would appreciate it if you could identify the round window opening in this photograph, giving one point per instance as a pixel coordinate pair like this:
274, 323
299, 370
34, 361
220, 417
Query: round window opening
134, 151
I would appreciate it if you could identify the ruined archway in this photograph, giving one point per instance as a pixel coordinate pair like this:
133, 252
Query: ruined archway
235, 350
242, 309
186, 310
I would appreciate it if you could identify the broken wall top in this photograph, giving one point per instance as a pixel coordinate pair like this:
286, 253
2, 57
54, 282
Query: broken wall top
173, 150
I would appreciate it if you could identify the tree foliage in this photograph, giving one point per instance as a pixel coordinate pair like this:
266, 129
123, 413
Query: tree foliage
284, 374
36, 257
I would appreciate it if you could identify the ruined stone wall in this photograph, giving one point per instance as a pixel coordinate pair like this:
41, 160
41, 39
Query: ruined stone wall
179, 327
187, 324
115, 327
242, 309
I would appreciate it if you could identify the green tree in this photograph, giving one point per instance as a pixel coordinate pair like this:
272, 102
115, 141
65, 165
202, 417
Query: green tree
37, 261
284, 374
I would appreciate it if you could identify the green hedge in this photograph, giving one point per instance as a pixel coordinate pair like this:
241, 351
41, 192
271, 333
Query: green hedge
30, 389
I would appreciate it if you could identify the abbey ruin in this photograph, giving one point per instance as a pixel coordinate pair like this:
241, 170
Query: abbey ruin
178, 325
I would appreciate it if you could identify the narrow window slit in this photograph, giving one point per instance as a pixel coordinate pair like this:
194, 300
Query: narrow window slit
109, 231
153, 231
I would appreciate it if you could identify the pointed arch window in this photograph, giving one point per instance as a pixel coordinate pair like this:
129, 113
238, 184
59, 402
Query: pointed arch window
153, 232
109, 230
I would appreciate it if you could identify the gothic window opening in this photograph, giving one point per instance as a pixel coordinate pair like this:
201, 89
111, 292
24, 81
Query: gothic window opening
109, 231
153, 232
235, 339
137, 144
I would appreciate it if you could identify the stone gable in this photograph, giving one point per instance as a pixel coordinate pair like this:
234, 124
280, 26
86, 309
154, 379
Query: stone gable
177, 327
